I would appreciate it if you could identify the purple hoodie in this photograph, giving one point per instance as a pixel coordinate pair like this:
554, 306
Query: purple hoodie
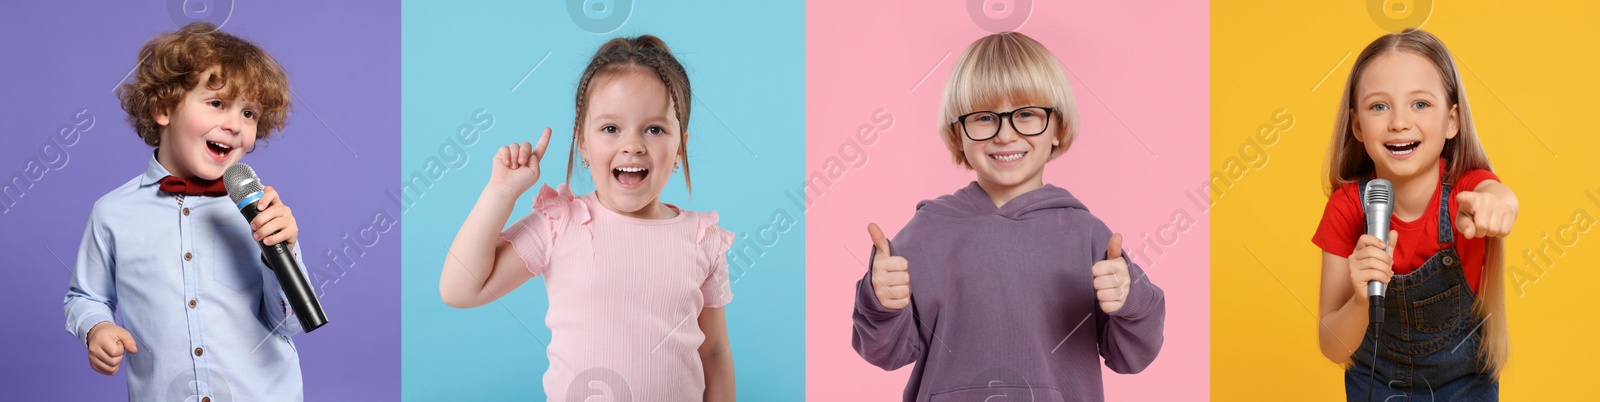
1003, 303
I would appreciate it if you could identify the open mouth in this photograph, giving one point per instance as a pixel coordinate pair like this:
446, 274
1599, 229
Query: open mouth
630, 176
218, 150
1008, 156
1403, 148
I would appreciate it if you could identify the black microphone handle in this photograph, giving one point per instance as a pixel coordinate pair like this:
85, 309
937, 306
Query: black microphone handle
296, 287
1375, 309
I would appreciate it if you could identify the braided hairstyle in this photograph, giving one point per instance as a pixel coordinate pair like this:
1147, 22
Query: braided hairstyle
645, 52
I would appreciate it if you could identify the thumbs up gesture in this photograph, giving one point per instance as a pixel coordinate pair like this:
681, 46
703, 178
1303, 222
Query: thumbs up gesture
1483, 215
1111, 282
890, 280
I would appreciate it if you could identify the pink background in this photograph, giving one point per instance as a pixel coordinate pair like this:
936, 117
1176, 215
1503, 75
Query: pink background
1140, 73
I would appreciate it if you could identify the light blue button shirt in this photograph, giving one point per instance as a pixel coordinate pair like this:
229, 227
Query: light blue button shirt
207, 316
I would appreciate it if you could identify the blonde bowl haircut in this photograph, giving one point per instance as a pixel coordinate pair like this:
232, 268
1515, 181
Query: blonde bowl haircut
1001, 68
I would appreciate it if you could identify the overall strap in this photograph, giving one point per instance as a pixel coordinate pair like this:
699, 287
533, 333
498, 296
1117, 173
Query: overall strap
1446, 220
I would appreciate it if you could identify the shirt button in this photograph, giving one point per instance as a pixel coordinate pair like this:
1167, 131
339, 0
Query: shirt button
192, 302
205, 399
188, 256
185, 212
199, 351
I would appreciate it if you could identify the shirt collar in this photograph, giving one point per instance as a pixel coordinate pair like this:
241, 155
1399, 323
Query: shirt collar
153, 172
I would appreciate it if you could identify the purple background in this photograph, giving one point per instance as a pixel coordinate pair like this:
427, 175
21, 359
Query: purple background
335, 164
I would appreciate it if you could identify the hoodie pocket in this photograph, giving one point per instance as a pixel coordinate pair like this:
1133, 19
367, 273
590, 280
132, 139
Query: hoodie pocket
998, 393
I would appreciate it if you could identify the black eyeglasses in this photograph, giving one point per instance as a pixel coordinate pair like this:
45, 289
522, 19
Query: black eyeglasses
1027, 121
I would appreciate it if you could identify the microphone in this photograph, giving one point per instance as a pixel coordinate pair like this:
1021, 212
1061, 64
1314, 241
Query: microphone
1378, 202
245, 189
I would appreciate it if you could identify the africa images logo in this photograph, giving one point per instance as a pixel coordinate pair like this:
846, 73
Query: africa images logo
188, 386
599, 16
1397, 15
599, 382
215, 12
999, 15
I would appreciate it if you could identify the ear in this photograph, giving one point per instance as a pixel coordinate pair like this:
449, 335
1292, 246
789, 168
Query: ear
577, 140
1453, 127
162, 116
1060, 131
1355, 126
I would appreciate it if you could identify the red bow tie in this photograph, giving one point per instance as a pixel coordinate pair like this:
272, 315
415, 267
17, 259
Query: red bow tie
208, 188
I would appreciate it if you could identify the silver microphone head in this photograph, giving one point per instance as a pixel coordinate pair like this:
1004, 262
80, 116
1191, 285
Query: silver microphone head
1378, 202
241, 181
1378, 191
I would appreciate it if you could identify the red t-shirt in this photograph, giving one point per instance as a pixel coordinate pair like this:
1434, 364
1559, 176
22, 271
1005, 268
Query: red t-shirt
1344, 221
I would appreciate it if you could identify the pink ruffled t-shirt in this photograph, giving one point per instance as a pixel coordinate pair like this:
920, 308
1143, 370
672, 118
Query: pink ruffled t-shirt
625, 295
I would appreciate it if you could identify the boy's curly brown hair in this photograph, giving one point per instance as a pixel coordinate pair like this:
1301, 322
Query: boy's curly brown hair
171, 64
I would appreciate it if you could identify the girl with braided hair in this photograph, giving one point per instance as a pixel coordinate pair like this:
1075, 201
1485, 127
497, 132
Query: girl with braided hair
624, 271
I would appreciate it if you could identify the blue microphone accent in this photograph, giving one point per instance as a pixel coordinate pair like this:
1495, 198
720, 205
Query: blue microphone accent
253, 197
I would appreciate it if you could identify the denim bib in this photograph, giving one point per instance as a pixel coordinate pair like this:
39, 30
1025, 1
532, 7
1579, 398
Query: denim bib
1430, 339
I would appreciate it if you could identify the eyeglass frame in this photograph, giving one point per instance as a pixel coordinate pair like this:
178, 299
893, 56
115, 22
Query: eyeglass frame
1049, 112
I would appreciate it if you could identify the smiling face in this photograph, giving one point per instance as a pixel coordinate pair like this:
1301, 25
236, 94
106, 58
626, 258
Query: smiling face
1402, 115
206, 132
631, 140
1009, 164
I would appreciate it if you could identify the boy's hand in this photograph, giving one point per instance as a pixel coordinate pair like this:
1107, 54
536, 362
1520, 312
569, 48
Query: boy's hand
1111, 282
107, 342
1372, 261
275, 224
1483, 215
516, 166
891, 282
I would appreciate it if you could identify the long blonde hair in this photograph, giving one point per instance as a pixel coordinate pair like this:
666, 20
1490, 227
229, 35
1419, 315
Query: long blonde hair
1348, 162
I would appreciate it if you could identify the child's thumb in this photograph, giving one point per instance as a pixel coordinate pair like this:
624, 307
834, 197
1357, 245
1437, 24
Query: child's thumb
1114, 249
128, 343
877, 239
1466, 201
1394, 239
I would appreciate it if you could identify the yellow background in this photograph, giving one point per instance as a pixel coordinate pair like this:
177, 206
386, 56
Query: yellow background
1530, 71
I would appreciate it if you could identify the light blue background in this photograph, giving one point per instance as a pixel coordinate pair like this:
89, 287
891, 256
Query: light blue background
746, 65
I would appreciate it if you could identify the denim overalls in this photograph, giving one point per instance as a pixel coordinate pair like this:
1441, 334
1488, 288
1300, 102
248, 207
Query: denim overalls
1429, 335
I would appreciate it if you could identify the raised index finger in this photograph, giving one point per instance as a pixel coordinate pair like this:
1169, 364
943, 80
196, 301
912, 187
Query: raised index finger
544, 140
